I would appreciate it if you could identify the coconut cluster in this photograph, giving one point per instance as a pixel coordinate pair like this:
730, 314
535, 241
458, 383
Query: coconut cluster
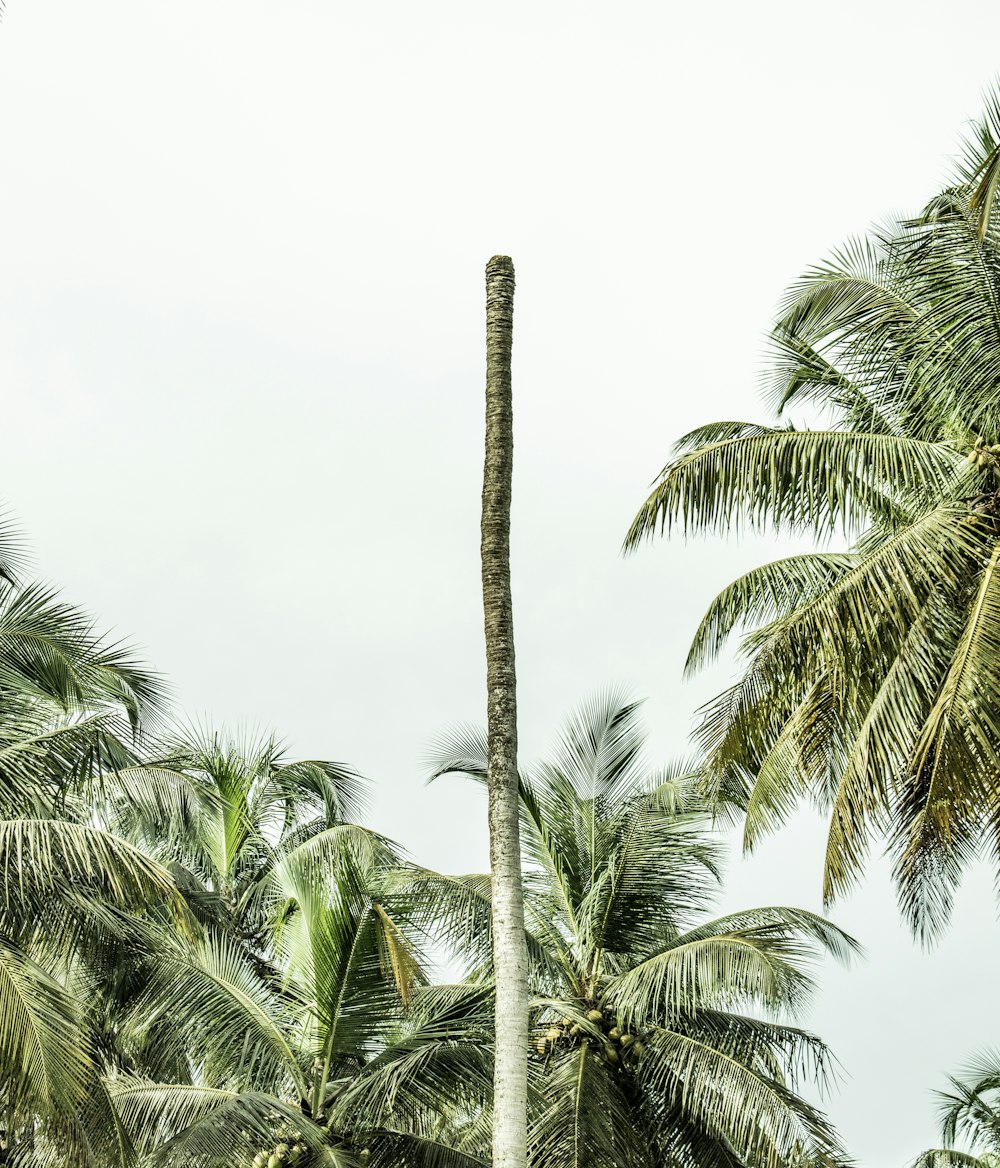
617, 1044
982, 454
280, 1154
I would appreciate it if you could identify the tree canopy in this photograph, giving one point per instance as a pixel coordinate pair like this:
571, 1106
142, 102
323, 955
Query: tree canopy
869, 681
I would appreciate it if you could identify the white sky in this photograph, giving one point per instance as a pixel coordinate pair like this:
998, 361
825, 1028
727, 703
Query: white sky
241, 347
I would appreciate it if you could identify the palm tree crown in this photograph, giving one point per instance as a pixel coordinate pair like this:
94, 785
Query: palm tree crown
870, 681
296, 1024
970, 1114
646, 1054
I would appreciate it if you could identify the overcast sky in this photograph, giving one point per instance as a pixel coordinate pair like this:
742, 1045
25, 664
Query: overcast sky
241, 348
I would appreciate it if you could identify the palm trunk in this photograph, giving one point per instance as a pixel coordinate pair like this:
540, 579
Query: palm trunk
510, 1077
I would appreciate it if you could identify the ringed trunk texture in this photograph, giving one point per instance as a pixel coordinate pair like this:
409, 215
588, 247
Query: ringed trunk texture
510, 958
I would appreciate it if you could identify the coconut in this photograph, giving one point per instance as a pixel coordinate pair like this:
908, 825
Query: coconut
260, 1160
273, 1161
553, 1034
611, 1054
627, 1040
595, 1016
575, 1030
972, 456
614, 1034
638, 1050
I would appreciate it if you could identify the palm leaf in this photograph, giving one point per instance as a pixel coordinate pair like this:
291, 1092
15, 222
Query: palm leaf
795, 480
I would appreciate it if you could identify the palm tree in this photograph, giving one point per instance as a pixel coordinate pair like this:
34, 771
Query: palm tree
220, 812
662, 1037
337, 1052
511, 1071
288, 1016
297, 1022
970, 1114
228, 979
70, 892
71, 708
223, 810
870, 682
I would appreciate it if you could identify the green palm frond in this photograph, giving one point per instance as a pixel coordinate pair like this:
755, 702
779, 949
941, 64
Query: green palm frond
155, 803
763, 595
201, 1127
342, 950
802, 374
971, 1108
793, 480
327, 789
773, 1049
42, 859
93, 1137
599, 750
759, 956
455, 910
463, 751
956, 757
638, 995
875, 599
43, 1050
656, 872
868, 685
13, 553
969, 1113
389, 1148
440, 1058
980, 167
758, 1117
953, 1158
866, 788
222, 1017
46, 756
345, 851
49, 650
587, 1119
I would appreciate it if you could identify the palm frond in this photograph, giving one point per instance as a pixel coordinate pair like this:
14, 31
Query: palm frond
43, 1050
792, 480
223, 1018
955, 762
200, 1127
953, 1158
587, 1118
45, 858
757, 1116
760, 957
761, 596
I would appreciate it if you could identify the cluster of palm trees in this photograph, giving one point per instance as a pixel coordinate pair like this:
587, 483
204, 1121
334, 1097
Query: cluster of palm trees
208, 958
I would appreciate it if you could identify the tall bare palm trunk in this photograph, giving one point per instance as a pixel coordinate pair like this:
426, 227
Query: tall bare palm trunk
510, 1079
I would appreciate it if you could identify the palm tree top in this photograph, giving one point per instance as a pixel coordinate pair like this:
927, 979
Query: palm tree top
868, 680
637, 990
